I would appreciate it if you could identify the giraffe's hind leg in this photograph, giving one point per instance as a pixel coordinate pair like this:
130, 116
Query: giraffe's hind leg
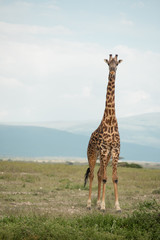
92, 161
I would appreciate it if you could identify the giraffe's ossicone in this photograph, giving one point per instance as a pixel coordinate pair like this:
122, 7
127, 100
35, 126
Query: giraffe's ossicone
104, 142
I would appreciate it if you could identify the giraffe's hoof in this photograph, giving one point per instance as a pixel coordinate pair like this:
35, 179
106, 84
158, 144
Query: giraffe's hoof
89, 204
117, 207
118, 210
99, 205
103, 210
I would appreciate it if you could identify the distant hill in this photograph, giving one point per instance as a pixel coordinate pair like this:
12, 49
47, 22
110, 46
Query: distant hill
141, 129
28, 141
31, 141
137, 152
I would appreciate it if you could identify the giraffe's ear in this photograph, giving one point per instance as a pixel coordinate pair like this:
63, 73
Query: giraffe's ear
106, 61
120, 61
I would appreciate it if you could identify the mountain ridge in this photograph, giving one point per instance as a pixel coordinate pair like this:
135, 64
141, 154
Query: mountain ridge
31, 141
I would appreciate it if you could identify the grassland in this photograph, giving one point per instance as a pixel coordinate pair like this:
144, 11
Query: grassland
48, 201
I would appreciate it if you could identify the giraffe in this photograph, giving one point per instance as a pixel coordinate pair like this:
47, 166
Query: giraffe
105, 142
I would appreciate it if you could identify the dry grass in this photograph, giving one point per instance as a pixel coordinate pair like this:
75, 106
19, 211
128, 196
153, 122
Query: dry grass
57, 189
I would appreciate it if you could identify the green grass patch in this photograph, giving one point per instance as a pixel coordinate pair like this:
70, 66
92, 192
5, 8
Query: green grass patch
143, 223
156, 191
30, 178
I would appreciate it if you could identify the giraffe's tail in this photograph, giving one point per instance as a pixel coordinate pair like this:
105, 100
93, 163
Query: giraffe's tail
86, 176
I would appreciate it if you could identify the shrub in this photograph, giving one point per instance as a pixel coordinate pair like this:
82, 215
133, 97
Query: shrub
129, 165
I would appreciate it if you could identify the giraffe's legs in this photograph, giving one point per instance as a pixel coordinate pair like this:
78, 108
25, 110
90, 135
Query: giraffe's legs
115, 179
92, 162
103, 206
102, 176
117, 206
99, 190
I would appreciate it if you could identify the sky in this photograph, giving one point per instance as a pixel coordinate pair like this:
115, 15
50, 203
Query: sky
52, 58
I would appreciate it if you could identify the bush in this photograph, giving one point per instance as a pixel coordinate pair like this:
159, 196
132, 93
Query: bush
129, 165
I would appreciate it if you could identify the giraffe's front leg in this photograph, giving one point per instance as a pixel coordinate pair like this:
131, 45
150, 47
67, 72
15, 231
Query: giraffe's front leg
99, 189
103, 205
105, 157
115, 179
117, 206
104, 179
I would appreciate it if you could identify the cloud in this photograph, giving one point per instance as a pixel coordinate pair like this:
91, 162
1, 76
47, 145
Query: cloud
138, 4
127, 22
10, 82
140, 96
85, 93
139, 75
47, 78
51, 4
124, 21
136, 97
34, 75
3, 114
23, 4
17, 29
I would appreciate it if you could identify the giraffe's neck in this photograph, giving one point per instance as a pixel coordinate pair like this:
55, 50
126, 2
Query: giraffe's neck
109, 117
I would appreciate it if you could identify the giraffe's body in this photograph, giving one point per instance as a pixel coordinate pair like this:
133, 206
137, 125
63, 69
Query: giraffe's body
105, 142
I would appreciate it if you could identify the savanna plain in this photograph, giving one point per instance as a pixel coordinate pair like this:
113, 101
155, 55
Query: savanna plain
48, 201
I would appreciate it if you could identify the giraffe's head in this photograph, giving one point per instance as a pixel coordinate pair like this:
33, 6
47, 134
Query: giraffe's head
113, 63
